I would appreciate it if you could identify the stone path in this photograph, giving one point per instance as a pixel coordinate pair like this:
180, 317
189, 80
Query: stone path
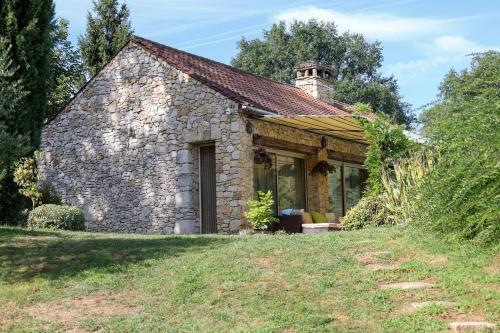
472, 325
407, 285
369, 259
419, 305
364, 241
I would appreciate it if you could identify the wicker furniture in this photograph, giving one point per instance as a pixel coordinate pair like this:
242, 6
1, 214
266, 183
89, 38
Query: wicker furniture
288, 223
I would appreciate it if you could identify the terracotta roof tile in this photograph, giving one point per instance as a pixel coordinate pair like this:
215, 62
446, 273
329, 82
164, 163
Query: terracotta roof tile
244, 87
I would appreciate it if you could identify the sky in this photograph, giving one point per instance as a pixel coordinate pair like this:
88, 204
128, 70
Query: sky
421, 39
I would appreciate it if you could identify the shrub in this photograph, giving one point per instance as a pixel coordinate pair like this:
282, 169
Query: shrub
261, 214
56, 217
27, 178
49, 196
388, 144
369, 211
460, 194
402, 187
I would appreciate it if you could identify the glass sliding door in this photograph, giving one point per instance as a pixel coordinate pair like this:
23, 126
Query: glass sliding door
336, 191
345, 187
291, 182
286, 179
353, 188
264, 179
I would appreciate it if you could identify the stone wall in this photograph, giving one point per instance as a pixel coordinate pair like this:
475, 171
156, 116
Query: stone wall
317, 87
125, 149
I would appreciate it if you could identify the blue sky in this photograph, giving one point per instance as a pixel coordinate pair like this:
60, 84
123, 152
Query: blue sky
421, 39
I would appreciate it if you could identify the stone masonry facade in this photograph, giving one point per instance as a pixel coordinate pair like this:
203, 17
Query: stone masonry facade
125, 150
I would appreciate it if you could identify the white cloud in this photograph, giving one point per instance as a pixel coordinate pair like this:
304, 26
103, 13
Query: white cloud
455, 44
373, 25
419, 68
440, 54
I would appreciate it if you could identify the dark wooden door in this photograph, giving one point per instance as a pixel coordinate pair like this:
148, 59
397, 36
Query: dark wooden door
208, 203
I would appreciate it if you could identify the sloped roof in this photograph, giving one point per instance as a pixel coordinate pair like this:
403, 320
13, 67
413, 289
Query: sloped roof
246, 88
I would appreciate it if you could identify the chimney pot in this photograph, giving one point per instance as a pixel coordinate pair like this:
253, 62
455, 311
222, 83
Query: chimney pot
314, 79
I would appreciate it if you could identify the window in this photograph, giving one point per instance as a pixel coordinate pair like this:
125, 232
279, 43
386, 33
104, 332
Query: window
286, 179
335, 191
291, 182
353, 186
265, 179
345, 187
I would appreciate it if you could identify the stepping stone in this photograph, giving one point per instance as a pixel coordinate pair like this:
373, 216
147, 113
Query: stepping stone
419, 305
379, 253
381, 267
364, 241
472, 325
407, 285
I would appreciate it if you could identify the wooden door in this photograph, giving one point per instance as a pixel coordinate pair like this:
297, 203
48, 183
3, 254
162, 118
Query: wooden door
208, 200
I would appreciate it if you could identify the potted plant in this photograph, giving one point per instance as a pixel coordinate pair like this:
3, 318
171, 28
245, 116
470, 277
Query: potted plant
323, 168
261, 157
261, 213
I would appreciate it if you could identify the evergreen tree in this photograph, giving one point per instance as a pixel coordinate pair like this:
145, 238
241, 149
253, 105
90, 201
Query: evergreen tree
106, 33
354, 62
27, 25
13, 144
67, 72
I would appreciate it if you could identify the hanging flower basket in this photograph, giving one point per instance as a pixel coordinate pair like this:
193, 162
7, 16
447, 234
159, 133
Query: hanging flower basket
323, 168
261, 157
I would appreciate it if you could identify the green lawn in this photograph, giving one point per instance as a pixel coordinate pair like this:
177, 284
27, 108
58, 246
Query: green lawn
58, 281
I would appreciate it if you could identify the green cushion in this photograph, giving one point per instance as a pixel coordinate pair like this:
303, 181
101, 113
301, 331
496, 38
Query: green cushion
306, 217
319, 217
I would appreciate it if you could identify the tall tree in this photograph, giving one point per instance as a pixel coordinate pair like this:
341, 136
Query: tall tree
67, 73
106, 33
13, 144
27, 26
355, 63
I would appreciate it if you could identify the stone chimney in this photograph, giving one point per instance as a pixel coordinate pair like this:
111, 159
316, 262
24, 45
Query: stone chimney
315, 79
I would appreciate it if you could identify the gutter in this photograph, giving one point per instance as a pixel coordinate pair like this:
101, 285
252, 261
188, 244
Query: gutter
253, 111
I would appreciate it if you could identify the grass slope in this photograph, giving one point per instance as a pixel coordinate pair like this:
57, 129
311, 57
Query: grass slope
57, 281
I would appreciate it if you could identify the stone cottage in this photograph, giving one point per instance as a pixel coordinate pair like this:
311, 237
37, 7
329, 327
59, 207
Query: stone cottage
161, 140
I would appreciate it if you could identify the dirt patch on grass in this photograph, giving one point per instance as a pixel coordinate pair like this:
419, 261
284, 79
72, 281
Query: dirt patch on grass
365, 258
8, 313
494, 268
382, 267
76, 309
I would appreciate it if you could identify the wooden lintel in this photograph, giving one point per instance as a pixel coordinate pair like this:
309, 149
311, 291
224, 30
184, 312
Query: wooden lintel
284, 145
345, 157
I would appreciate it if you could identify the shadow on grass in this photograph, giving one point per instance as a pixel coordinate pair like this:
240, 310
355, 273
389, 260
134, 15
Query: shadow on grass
27, 254
8, 233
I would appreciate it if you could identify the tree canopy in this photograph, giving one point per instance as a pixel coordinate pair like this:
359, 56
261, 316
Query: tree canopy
354, 62
107, 31
67, 72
